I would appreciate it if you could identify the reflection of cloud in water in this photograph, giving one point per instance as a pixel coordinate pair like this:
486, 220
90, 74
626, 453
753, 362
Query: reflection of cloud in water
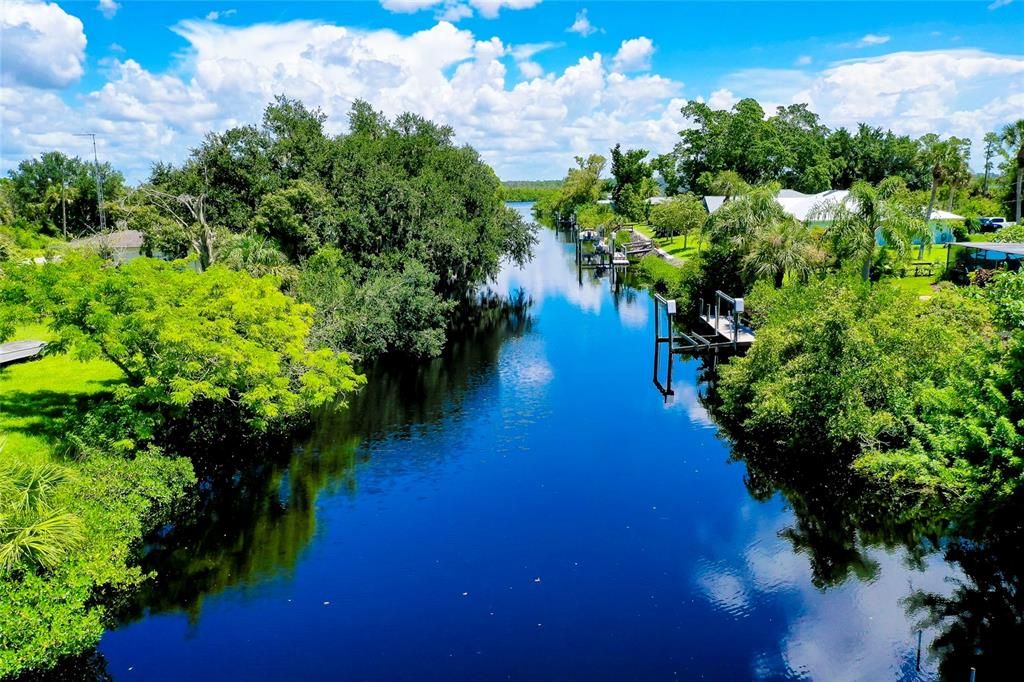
685, 398
551, 274
633, 314
725, 590
858, 630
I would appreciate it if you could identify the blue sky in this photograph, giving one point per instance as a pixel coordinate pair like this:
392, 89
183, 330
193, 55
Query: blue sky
509, 75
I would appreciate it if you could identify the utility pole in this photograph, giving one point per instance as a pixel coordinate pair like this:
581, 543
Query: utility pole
99, 184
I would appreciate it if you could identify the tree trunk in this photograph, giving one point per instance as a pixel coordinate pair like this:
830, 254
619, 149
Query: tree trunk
949, 205
1020, 174
865, 272
780, 275
928, 215
686, 237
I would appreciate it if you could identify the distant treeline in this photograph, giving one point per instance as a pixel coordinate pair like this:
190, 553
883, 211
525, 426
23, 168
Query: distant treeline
529, 190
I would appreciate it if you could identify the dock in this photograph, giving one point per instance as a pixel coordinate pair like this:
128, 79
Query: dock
725, 329
16, 351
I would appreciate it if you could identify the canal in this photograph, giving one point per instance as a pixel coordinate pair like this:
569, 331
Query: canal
527, 507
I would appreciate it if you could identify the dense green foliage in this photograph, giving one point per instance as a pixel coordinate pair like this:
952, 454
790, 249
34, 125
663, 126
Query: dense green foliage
398, 198
55, 192
924, 394
180, 336
634, 183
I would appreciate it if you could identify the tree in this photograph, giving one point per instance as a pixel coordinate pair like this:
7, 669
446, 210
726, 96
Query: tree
255, 254
189, 223
683, 214
726, 184
38, 184
629, 171
781, 247
376, 311
1013, 138
946, 160
180, 336
992, 147
853, 223
667, 166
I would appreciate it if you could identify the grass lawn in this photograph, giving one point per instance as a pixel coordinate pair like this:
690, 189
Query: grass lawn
35, 395
672, 246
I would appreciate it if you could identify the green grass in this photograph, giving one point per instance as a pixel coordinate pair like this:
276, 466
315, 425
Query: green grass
674, 245
36, 395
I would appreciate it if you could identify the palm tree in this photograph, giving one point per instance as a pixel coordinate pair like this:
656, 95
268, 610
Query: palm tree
745, 215
33, 533
944, 158
780, 248
866, 211
1013, 137
992, 145
255, 254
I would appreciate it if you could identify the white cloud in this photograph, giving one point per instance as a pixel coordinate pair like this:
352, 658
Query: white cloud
582, 24
999, 3
526, 122
215, 14
42, 46
951, 92
108, 8
634, 55
803, 60
525, 128
870, 39
453, 10
722, 99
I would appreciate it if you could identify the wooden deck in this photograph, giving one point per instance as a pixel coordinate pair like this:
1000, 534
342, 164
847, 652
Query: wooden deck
20, 350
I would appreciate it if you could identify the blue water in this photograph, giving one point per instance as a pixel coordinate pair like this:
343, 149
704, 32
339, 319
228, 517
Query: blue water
529, 507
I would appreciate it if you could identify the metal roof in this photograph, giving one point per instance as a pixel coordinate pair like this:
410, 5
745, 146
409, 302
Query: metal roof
1015, 248
121, 239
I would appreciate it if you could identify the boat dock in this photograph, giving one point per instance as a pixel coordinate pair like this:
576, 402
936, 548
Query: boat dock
16, 351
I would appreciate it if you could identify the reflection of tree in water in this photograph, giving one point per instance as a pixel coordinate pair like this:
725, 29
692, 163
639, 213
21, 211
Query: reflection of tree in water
88, 667
252, 521
981, 623
839, 515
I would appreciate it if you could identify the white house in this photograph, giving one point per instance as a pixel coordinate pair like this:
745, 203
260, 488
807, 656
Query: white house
122, 245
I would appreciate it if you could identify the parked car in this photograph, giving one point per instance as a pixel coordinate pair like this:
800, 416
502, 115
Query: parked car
992, 223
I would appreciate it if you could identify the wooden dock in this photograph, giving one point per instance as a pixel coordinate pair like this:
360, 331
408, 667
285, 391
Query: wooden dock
17, 351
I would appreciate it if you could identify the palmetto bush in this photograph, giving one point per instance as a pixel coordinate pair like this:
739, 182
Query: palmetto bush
34, 534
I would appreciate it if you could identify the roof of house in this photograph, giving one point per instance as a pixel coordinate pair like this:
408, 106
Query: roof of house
1014, 248
796, 204
120, 239
944, 215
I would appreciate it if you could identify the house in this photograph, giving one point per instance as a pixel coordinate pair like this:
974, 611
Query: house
121, 246
802, 206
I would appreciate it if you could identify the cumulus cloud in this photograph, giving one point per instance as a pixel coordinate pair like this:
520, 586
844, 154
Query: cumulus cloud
582, 25
43, 46
529, 128
634, 55
722, 99
526, 122
999, 3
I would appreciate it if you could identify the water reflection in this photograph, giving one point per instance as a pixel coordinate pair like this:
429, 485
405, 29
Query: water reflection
251, 522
